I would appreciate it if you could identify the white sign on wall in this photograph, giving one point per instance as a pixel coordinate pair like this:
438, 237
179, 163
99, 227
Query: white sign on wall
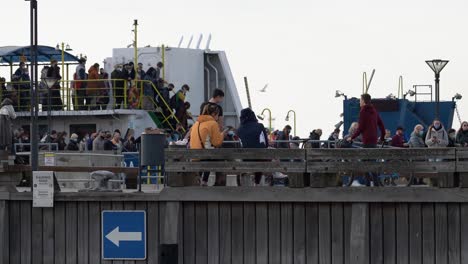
49, 159
43, 189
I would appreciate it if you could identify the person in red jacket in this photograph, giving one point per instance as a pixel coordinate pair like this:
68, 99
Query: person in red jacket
369, 122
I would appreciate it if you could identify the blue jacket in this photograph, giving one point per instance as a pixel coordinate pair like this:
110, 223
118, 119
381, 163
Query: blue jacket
249, 134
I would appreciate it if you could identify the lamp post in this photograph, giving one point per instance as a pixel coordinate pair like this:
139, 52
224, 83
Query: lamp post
294, 115
33, 88
62, 47
437, 66
269, 118
49, 82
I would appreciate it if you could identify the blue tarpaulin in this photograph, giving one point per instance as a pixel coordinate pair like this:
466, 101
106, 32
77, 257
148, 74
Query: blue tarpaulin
13, 54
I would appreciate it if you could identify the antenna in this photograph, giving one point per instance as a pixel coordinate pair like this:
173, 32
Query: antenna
190, 42
199, 41
208, 42
180, 41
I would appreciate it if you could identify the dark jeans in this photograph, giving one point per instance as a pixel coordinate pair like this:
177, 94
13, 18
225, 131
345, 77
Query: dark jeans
372, 176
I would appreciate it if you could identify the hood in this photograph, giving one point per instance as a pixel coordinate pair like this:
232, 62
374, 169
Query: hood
205, 118
247, 115
93, 70
368, 108
6, 101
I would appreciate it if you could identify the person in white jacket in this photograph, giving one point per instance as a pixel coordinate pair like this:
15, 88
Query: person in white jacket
7, 113
436, 136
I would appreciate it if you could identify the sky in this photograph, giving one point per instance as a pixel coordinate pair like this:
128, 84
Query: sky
304, 49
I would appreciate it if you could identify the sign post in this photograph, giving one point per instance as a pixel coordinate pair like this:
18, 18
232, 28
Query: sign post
124, 235
43, 189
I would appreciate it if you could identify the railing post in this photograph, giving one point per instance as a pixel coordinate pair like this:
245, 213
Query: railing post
125, 93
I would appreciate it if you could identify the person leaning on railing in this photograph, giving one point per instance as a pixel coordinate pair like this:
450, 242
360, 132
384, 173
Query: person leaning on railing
79, 85
93, 86
21, 77
462, 135
118, 84
417, 137
54, 72
7, 113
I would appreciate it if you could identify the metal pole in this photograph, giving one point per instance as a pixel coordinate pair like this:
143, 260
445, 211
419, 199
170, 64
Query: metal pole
437, 98
248, 92
163, 55
34, 71
62, 86
135, 46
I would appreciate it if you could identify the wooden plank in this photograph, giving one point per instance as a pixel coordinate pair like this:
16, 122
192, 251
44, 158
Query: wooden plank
464, 233
402, 233
153, 224
25, 168
346, 231
312, 233
415, 233
235, 166
286, 233
324, 219
189, 232
389, 233
142, 206
213, 233
361, 166
441, 239
116, 206
274, 233
237, 234
71, 229
201, 233
337, 236
4, 233
378, 153
25, 209
299, 236
234, 153
104, 206
129, 206
249, 233
48, 222
94, 227
15, 229
376, 233
261, 230
359, 244
59, 232
36, 235
453, 233
83, 232
225, 233
428, 233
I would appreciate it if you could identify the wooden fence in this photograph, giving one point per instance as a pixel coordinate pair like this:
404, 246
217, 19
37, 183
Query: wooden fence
447, 164
249, 225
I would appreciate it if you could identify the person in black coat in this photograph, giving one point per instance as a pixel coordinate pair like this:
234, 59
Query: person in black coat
252, 134
118, 77
54, 72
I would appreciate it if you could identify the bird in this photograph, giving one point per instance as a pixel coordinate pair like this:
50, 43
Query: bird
263, 90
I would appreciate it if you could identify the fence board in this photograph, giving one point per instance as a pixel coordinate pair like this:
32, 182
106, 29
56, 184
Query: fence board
225, 240
324, 233
142, 206
48, 235
453, 233
237, 234
234, 153
249, 233
389, 233
286, 233
261, 230
464, 233
83, 232
189, 232
346, 231
213, 233
201, 233
299, 236
415, 234
376, 233
235, 166
105, 206
274, 232
129, 205
153, 227
402, 234
359, 244
94, 227
441, 239
36, 235
428, 233
4, 233
71, 229
25, 219
312, 233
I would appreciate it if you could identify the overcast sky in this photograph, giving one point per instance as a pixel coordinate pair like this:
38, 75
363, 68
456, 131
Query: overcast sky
304, 49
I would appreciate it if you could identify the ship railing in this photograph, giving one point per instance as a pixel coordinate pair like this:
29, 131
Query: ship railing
320, 167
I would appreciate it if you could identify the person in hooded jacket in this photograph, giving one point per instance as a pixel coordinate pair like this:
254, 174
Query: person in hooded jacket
7, 113
205, 134
252, 134
417, 137
436, 136
56, 99
462, 135
94, 86
73, 143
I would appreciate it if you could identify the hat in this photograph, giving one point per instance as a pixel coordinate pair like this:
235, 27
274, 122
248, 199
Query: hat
53, 61
74, 136
400, 128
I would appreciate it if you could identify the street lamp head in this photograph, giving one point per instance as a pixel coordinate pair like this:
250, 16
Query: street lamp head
437, 65
287, 118
57, 47
67, 48
261, 117
49, 81
338, 93
457, 96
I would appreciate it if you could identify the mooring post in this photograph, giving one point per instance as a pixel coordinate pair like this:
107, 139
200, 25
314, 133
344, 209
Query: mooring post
359, 234
169, 248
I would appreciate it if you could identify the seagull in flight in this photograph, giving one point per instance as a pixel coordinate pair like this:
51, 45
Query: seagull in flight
263, 90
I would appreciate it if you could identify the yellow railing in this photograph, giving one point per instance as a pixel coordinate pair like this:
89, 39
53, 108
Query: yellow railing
74, 98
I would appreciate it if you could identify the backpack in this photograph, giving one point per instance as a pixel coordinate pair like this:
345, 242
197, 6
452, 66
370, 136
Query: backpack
173, 102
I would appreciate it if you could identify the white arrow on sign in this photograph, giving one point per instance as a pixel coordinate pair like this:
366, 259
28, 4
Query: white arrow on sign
115, 236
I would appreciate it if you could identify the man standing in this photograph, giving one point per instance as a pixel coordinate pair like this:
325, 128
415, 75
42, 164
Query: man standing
216, 99
79, 85
369, 122
284, 136
118, 77
54, 72
398, 139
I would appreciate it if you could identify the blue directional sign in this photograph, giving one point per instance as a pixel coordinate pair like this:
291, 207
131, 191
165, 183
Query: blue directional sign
124, 235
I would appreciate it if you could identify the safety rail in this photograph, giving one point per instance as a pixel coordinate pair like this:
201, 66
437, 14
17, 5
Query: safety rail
312, 166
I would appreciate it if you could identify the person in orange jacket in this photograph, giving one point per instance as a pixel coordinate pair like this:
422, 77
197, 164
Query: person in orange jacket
93, 86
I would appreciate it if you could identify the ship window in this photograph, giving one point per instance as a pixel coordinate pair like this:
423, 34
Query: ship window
82, 129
